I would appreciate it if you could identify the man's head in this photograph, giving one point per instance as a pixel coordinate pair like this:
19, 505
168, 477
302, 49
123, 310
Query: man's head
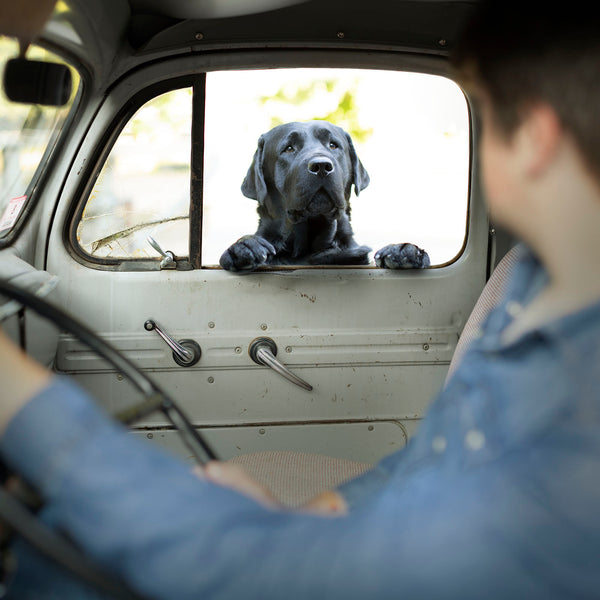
515, 55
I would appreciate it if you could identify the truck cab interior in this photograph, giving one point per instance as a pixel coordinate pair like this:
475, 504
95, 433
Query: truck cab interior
122, 178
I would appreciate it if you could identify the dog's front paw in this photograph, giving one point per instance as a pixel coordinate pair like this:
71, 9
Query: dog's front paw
247, 254
402, 256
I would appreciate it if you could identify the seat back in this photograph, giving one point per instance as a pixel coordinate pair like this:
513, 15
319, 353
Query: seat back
490, 296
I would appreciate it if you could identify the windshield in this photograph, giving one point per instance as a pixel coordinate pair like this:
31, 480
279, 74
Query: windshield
28, 133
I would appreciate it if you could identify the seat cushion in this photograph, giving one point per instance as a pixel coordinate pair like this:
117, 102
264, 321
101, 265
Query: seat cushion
296, 477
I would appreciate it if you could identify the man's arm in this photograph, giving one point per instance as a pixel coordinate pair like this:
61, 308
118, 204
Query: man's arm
522, 525
493, 532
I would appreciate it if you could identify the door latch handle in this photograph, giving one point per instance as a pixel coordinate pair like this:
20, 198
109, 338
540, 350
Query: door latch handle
186, 353
262, 351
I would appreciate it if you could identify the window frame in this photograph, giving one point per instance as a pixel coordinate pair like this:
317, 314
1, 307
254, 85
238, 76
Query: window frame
193, 71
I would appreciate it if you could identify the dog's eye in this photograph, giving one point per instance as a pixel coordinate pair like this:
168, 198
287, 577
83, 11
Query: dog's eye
289, 148
333, 145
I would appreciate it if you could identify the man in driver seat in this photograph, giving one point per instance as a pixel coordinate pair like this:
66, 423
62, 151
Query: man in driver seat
496, 496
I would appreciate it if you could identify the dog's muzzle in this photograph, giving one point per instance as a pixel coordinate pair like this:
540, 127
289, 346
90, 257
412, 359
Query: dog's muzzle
320, 205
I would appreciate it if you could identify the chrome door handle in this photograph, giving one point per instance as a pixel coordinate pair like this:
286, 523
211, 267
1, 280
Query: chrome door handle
168, 258
185, 352
262, 351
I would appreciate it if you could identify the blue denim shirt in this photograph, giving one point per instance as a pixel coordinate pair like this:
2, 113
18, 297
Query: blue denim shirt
497, 496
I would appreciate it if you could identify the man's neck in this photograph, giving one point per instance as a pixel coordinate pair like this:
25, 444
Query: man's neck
568, 243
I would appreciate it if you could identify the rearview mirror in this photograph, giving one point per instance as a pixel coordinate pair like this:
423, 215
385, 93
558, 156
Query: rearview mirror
37, 82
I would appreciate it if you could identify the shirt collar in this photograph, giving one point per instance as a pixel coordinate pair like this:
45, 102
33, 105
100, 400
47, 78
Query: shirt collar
529, 277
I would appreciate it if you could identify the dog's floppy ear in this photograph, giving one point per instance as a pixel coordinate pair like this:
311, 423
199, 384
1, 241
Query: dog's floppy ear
360, 177
254, 185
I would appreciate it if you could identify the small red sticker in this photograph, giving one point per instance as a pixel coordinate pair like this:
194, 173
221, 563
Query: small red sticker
12, 212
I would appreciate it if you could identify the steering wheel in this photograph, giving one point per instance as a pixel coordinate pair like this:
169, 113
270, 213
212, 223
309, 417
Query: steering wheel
19, 517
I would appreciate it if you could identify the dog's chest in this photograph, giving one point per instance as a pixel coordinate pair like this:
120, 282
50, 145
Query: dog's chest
312, 235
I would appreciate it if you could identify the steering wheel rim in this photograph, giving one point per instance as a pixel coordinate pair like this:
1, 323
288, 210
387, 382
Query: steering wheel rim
16, 514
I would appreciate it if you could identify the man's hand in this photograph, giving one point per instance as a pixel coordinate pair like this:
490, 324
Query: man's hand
327, 504
235, 477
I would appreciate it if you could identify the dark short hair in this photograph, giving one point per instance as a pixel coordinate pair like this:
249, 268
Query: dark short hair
521, 53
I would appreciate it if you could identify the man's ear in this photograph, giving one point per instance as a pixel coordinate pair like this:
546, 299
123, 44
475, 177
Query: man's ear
360, 177
541, 134
254, 185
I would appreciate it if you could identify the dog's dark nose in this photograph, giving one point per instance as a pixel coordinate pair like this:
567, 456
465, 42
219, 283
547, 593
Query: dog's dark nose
320, 166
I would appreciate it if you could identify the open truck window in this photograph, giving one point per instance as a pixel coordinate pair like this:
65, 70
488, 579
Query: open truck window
410, 130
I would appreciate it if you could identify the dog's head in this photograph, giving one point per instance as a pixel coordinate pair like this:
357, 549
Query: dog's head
305, 170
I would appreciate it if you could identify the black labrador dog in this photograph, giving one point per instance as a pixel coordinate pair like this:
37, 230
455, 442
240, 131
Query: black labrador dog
302, 176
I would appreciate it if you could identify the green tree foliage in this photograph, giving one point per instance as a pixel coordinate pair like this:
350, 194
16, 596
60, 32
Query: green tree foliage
345, 112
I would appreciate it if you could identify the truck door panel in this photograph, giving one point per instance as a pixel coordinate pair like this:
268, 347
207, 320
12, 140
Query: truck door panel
374, 344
